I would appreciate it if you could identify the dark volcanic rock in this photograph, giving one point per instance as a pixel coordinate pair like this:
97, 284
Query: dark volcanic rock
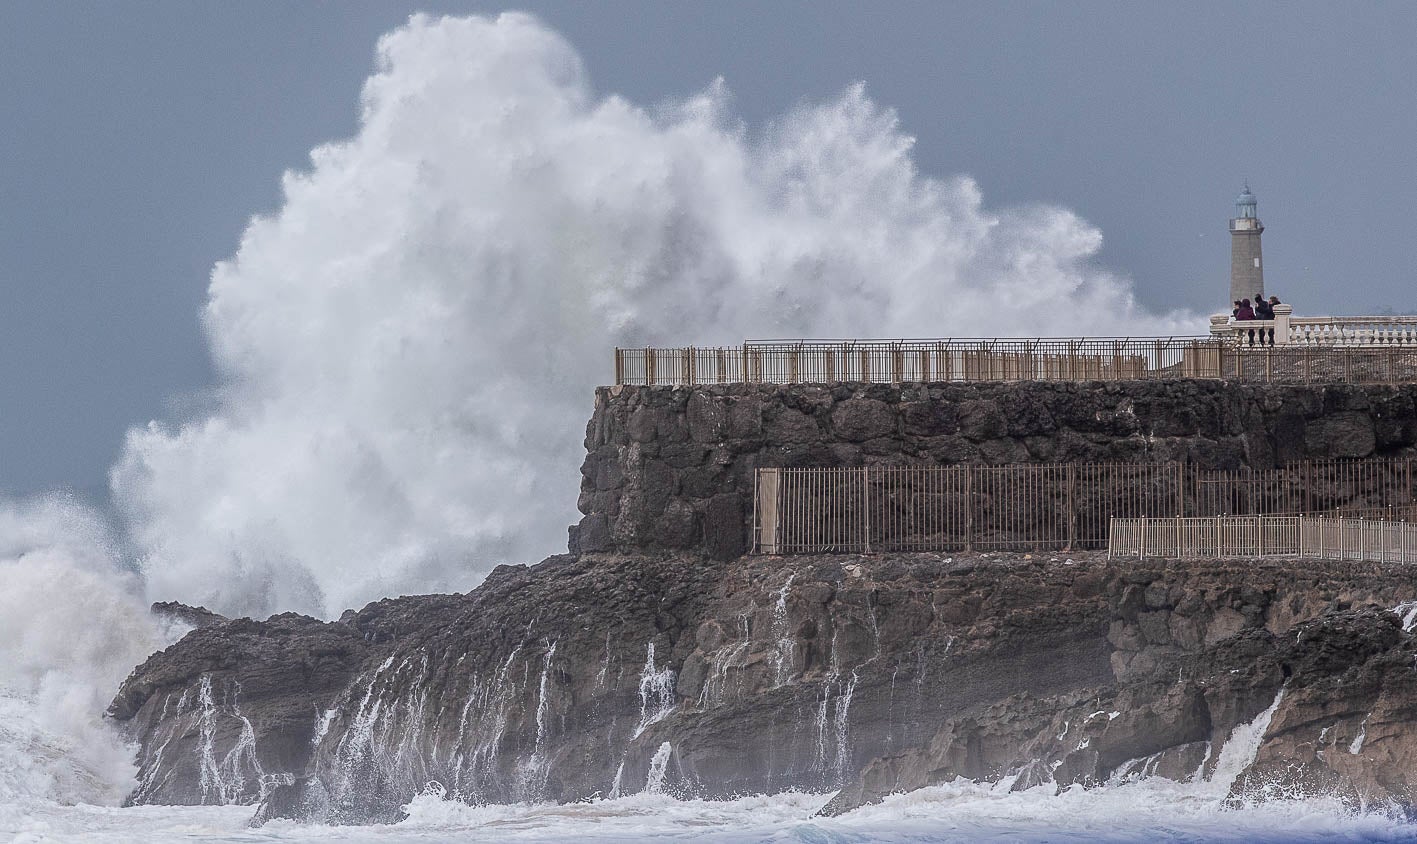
227, 711
190, 616
866, 674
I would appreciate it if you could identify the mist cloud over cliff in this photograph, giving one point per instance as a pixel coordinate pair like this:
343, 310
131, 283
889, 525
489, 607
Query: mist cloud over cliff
408, 345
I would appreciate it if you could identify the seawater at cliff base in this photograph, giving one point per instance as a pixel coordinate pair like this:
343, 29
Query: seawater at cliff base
1146, 810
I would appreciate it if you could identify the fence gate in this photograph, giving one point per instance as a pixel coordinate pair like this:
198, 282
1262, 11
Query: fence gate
765, 519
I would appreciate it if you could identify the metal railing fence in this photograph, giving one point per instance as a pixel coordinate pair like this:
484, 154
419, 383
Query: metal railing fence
1046, 506
1059, 359
1341, 538
794, 362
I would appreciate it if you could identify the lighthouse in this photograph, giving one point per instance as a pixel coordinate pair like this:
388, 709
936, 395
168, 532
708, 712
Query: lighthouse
1246, 268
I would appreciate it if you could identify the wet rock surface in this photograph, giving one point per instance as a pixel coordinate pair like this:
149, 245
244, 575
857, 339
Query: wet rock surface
179, 613
608, 673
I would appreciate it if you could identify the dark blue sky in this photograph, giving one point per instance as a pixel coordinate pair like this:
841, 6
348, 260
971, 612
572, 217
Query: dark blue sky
137, 139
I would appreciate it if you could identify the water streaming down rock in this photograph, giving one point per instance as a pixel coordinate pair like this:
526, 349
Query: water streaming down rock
1135, 769
1357, 745
617, 784
225, 782
657, 701
843, 712
542, 696
226, 770
785, 642
1407, 611
658, 766
1238, 753
601, 677
487, 710
726, 663
532, 782
657, 697
148, 773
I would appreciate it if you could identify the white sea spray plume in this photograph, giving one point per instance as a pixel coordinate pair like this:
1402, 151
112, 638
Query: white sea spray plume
72, 625
407, 345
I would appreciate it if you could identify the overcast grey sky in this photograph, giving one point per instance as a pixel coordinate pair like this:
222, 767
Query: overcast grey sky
137, 139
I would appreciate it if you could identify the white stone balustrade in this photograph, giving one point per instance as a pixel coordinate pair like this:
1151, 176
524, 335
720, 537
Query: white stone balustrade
1353, 331
1350, 331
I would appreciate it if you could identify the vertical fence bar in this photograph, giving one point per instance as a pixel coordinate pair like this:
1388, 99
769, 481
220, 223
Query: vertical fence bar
968, 507
866, 506
1072, 505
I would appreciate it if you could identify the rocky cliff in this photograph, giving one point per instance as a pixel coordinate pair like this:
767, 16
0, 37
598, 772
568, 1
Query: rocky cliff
605, 674
656, 656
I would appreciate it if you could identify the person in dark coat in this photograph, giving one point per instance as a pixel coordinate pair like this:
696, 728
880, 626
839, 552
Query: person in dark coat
1246, 314
1264, 311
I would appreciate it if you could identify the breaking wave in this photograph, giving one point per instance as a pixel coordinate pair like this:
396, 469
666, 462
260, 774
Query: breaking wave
72, 625
408, 345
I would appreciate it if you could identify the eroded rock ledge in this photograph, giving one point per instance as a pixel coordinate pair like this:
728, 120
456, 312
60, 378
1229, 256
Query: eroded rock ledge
606, 673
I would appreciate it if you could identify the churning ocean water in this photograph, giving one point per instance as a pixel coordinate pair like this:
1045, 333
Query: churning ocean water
1148, 810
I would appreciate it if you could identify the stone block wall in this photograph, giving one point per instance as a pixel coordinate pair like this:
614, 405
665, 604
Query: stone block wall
672, 467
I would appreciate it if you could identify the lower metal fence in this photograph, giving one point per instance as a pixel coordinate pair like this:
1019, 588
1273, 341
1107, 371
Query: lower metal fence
1046, 506
1341, 538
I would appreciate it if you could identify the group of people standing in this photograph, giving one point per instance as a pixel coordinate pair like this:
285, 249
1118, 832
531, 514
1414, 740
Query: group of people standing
1261, 309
